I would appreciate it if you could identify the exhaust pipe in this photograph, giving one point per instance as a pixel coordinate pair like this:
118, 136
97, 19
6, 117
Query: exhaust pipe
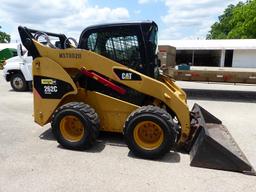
213, 146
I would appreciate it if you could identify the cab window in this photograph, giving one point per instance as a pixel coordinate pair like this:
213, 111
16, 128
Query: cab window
121, 46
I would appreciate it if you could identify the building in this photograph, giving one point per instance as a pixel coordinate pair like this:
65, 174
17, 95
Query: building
215, 53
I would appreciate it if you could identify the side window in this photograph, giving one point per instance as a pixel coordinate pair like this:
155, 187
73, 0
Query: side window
124, 49
91, 42
121, 46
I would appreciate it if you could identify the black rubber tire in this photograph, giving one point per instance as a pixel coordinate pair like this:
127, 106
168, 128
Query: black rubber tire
88, 117
158, 116
24, 86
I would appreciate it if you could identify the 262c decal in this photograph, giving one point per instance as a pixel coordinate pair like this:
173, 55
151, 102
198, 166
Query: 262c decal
50, 88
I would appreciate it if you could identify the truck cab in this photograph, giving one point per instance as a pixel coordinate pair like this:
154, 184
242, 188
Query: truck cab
18, 71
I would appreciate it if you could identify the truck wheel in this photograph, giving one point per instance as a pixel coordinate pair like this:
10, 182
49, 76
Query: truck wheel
18, 82
75, 126
30, 85
150, 132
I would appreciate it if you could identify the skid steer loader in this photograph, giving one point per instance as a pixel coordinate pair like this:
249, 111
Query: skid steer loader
109, 82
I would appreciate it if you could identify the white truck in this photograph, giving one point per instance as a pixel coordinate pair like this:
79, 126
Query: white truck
18, 71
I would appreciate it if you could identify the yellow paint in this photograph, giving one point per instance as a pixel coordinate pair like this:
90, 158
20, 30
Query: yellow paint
112, 112
148, 135
44, 108
71, 128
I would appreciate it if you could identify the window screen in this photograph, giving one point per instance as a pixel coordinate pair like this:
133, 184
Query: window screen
91, 44
122, 47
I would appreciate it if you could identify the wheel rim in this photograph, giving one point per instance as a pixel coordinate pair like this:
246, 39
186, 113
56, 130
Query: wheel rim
72, 129
18, 83
148, 135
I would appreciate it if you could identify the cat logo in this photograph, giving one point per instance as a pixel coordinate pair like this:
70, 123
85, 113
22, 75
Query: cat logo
126, 76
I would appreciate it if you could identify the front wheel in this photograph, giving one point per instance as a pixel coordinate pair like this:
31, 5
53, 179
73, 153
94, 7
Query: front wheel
18, 82
150, 132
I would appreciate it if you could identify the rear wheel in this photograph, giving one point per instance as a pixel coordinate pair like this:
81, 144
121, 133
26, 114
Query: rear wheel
75, 126
18, 82
150, 132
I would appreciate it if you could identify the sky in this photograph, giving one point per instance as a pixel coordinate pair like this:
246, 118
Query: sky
176, 19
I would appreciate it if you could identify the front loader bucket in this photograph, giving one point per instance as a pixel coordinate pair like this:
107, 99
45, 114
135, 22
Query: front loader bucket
213, 146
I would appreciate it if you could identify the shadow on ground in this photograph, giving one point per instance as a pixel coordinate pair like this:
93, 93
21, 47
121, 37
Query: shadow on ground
221, 95
104, 139
170, 157
112, 139
47, 135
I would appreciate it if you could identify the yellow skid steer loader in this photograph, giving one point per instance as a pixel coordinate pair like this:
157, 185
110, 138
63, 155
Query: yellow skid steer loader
109, 81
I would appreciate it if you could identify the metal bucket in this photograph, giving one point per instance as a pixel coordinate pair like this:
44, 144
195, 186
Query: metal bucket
213, 146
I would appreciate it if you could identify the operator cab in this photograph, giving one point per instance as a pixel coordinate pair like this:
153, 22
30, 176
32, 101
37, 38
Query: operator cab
131, 44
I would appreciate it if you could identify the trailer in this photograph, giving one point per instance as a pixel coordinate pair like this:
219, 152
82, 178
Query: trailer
188, 72
230, 75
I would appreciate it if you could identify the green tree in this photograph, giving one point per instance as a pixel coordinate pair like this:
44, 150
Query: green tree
237, 22
4, 37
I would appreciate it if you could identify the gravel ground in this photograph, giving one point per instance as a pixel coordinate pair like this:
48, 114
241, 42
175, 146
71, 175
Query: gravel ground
31, 160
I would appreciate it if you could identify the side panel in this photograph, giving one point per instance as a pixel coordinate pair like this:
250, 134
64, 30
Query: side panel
45, 73
112, 112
